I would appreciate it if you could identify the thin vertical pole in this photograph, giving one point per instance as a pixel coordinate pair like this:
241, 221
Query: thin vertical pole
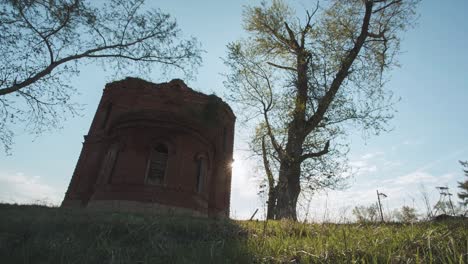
380, 206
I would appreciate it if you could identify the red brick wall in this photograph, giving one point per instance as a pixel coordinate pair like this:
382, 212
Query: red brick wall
133, 116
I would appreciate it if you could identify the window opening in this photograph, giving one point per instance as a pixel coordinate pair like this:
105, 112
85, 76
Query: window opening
200, 174
107, 115
158, 164
108, 164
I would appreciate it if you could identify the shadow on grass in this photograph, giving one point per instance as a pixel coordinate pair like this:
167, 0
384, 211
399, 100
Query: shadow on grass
39, 234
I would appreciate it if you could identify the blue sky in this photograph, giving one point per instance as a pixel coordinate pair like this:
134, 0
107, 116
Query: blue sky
429, 136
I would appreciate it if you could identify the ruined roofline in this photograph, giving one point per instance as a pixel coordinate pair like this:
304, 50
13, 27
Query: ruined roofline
178, 82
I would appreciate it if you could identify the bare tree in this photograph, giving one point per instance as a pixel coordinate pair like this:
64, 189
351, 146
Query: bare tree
426, 200
43, 43
309, 80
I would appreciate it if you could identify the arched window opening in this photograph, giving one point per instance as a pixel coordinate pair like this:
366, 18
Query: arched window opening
107, 167
200, 173
107, 115
158, 165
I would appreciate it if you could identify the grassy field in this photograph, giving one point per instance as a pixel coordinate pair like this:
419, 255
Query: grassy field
38, 234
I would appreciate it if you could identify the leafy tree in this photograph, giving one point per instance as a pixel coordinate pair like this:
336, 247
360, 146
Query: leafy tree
463, 194
366, 214
43, 43
407, 214
304, 82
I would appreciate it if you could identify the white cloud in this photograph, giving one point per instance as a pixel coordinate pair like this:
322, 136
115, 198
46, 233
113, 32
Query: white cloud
372, 155
450, 156
391, 164
366, 163
402, 190
408, 142
20, 188
372, 171
412, 142
362, 166
414, 177
419, 177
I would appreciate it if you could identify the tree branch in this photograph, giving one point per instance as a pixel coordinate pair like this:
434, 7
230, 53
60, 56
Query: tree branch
308, 26
275, 33
292, 37
342, 73
316, 154
282, 67
65, 22
266, 165
387, 5
31, 26
274, 142
373, 35
89, 53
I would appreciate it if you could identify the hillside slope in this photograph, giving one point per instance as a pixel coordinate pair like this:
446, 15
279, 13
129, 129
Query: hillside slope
38, 234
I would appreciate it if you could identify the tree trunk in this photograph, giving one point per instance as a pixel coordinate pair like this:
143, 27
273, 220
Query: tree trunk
271, 203
272, 190
289, 186
288, 190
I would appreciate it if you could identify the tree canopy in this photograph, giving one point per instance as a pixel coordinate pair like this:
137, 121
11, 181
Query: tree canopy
43, 43
306, 80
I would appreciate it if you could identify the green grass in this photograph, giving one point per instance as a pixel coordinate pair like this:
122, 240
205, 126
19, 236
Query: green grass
37, 234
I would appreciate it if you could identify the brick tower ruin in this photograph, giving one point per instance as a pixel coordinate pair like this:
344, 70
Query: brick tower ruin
161, 148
